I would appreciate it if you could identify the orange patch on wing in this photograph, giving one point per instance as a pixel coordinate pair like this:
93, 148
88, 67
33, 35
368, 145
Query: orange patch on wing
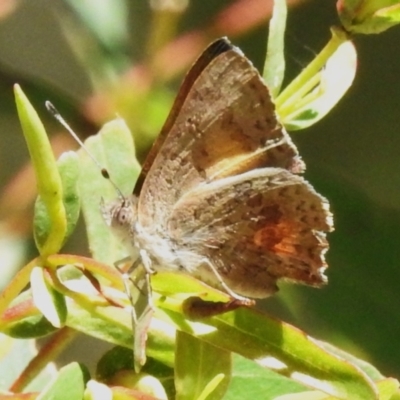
281, 238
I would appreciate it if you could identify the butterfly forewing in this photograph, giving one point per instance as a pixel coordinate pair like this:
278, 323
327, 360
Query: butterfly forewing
226, 126
213, 50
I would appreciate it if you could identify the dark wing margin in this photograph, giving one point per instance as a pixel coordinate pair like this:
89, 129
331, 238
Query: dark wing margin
213, 50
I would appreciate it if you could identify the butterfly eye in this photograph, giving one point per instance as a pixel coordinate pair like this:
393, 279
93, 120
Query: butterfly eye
123, 215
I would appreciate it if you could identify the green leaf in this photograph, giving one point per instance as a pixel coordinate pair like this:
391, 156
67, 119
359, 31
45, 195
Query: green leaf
274, 67
68, 168
48, 179
309, 395
50, 302
200, 369
69, 384
388, 389
114, 325
280, 347
100, 41
116, 368
107, 20
23, 320
34, 326
109, 323
367, 368
182, 286
113, 148
113, 361
251, 381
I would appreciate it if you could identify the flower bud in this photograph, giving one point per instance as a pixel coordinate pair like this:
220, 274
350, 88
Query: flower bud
368, 16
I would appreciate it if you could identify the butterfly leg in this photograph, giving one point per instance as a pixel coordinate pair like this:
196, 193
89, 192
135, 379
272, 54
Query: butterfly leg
243, 300
144, 311
146, 262
142, 308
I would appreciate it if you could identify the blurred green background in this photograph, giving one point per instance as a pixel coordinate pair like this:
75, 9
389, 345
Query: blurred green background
96, 59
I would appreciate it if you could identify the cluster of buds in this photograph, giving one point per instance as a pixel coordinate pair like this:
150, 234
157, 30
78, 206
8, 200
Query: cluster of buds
368, 16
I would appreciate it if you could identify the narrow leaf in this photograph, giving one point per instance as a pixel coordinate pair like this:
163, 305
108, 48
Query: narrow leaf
274, 67
47, 300
48, 179
69, 171
24, 321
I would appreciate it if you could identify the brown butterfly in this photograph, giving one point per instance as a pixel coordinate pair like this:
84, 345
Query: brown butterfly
219, 196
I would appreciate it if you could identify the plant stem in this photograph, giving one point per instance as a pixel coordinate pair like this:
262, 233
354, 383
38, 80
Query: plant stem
338, 37
14, 288
46, 355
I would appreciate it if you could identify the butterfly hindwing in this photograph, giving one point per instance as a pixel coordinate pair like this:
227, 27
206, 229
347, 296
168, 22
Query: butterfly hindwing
256, 227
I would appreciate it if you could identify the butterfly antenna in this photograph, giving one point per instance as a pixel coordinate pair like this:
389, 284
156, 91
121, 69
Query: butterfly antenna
54, 112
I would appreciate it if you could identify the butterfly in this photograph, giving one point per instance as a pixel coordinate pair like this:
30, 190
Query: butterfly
220, 196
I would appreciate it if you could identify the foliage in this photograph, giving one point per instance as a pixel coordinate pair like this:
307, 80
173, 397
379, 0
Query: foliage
189, 357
